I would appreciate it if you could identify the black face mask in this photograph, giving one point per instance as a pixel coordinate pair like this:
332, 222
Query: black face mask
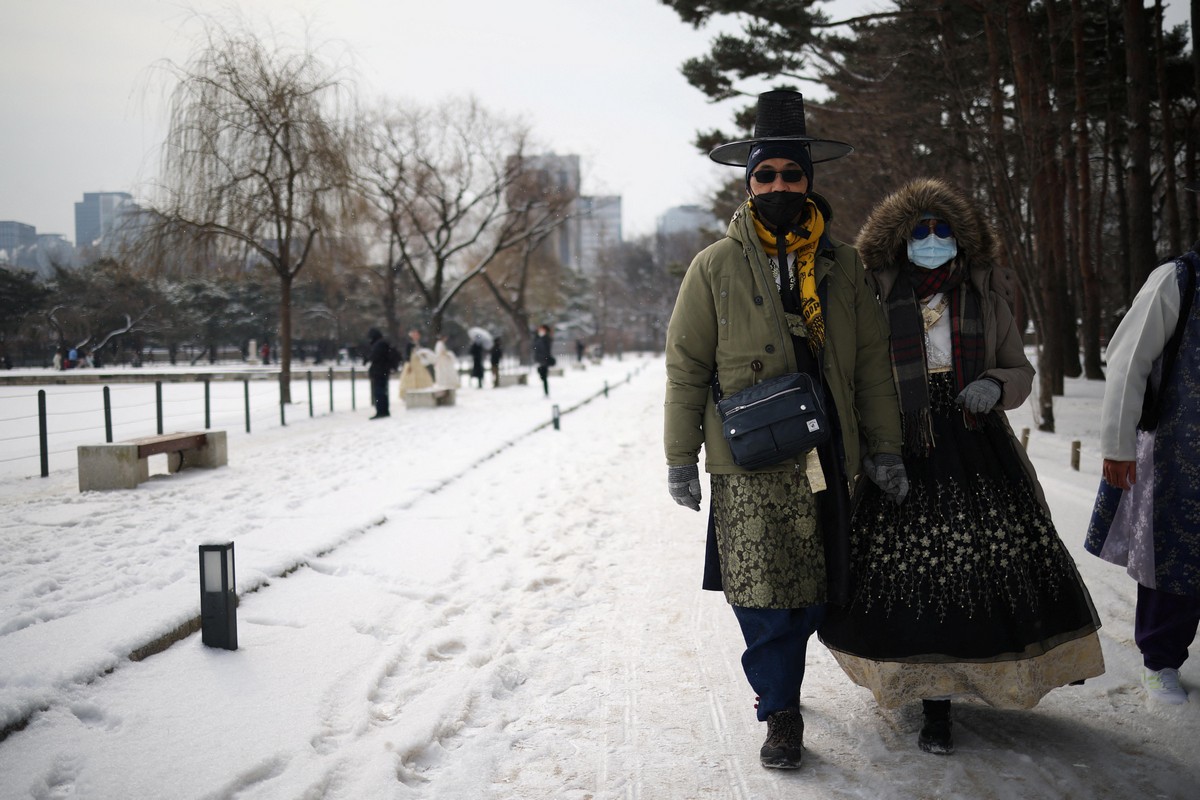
781, 211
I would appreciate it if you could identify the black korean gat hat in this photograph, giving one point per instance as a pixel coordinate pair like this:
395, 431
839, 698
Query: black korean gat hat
779, 118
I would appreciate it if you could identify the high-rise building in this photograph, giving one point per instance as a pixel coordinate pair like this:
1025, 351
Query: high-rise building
595, 221
688, 219
97, 214
599, 230
14, 235
682, 232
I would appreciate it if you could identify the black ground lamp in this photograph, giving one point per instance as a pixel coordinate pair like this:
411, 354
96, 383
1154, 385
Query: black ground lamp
218, 596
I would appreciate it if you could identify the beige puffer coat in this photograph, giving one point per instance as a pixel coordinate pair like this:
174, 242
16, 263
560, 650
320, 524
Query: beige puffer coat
882, 244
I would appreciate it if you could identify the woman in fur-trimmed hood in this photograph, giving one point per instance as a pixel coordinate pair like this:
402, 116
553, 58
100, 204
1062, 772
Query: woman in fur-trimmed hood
964, 587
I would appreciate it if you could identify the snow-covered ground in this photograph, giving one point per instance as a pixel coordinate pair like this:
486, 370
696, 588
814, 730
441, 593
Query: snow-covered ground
466, 602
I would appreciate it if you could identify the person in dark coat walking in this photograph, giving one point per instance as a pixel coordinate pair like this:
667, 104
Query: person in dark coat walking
477, 360
543, 355
379, 358
496, 354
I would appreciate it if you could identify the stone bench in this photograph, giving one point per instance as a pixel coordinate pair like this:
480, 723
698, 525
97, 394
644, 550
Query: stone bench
513, 379
428, 398
123, 465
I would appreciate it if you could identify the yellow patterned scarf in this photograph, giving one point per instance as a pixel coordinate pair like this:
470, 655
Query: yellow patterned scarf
805, 249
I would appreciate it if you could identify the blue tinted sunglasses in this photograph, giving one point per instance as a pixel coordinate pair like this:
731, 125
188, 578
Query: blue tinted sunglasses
940, 229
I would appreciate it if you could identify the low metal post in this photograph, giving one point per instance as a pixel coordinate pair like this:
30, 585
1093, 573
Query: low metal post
158, 403
107, 416
331, 390
606, 388
218, 596
353, 399
246, 392
1075, 455
310, 399
207, 406
556, 417
43, 444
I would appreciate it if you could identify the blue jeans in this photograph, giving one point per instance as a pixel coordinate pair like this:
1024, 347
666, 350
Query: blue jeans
776, 643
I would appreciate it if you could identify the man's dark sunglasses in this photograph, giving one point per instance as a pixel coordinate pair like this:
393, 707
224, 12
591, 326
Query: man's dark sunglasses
767, 175
941, 229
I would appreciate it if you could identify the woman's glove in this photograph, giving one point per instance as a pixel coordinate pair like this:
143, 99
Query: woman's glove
979, 397
887, 471
684, 485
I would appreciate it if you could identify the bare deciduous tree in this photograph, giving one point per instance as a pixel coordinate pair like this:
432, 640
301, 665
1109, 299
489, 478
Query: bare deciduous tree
253, 161
450, 186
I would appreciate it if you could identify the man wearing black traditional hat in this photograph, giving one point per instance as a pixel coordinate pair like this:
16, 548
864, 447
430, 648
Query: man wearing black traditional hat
778, 295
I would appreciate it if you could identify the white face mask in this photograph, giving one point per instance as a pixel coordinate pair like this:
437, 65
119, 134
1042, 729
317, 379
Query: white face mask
932, 251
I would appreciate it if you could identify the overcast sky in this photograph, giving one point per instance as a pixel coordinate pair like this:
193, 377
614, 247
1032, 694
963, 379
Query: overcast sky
598, 78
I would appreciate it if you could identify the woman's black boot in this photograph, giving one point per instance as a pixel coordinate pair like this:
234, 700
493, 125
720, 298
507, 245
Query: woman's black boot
936, 736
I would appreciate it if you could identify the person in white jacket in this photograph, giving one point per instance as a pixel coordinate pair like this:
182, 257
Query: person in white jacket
1147, 515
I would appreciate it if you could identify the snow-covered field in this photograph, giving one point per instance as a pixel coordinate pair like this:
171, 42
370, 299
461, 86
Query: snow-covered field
467, 603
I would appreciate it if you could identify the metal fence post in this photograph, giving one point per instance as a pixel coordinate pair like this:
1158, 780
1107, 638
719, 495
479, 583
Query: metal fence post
44, 446
107, 416
207, 406
310, 399
158, 403
246, 387
353, 400
331, 390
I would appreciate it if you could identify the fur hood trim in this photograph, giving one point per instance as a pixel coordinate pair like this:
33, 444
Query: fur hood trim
883, 240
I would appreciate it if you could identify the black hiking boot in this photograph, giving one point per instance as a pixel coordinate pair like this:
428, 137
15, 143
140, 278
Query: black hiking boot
936, 736
784, 746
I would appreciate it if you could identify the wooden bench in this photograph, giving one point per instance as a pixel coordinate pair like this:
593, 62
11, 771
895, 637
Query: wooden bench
513, 379
428, 398
123, 465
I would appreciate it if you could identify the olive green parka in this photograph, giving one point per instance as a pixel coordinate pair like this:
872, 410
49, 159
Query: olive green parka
729, 318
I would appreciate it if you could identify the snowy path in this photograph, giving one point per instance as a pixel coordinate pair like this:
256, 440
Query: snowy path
532, 629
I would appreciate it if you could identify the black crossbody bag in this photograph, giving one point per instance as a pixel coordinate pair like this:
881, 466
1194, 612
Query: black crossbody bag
772, 421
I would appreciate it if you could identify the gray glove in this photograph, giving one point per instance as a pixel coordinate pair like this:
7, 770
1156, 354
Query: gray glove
979, 397
684, 485
887, 471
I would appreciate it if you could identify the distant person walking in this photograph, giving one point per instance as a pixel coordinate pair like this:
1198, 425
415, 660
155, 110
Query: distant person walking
496, 355
379, 357
477, 351
543, 355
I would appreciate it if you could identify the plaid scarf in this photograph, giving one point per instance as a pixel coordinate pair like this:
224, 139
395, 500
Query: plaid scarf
908, 345
803, 242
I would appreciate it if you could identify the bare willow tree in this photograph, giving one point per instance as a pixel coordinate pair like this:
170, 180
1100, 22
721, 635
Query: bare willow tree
445, 183
254, 163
